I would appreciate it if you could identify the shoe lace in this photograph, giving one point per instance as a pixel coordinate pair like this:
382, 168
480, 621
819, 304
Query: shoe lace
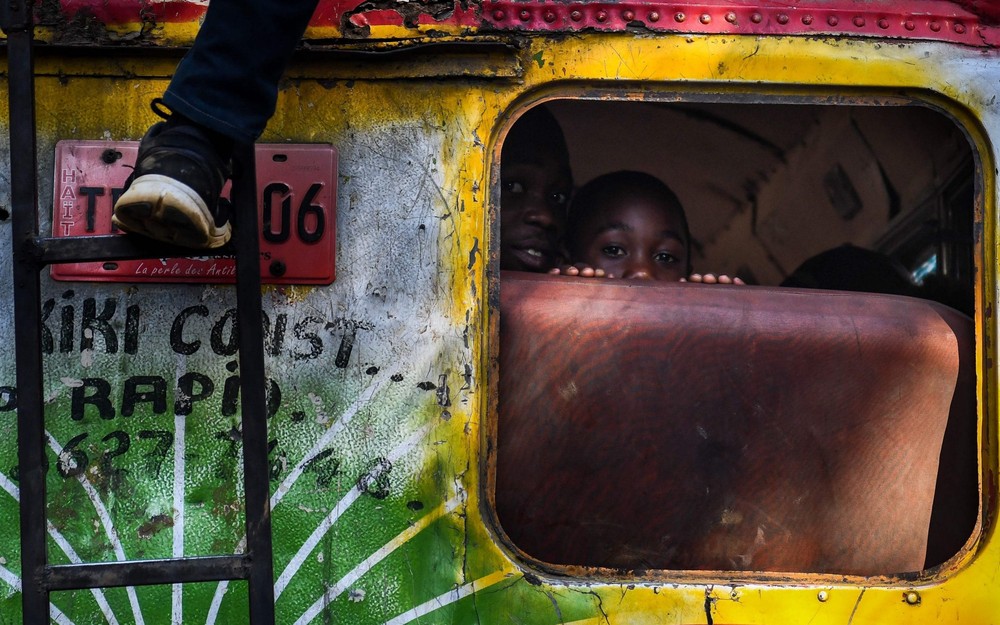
158, 106
223, 211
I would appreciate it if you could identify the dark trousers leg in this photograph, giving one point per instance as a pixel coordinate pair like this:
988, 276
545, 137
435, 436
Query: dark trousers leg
228, 81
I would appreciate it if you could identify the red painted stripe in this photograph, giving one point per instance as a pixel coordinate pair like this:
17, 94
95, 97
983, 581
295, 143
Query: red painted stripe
113, 12
927, 20
969, 22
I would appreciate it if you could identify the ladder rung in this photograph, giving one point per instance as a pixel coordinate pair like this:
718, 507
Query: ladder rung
146, 572
109, 247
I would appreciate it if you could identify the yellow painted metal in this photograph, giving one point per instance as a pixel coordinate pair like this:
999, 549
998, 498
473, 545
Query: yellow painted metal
335, 101
827, 70
181, 34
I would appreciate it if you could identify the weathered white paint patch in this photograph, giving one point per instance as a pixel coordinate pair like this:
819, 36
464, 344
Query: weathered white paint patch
349, 580
177, 591
57, 615
447, 598
356, 595
331, 519
99, 597
384, 377
8, 576
321, 417
106, 523
10, 487
67, 548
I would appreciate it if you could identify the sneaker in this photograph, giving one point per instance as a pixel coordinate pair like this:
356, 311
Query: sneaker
173, 193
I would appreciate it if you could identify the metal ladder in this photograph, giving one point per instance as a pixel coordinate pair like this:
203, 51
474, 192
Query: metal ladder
32, 254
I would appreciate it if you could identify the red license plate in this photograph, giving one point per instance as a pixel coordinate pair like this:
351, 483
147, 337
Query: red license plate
297, 199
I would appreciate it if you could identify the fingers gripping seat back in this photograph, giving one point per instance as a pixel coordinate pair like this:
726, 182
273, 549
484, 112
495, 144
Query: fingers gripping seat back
687, 426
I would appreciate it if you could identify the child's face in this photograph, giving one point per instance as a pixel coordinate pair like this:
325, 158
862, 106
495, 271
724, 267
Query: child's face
634, 238
533, 200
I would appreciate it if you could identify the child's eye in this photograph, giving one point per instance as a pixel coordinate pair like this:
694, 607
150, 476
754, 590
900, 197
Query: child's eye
513, 186
559, 199
613, 251
665, 257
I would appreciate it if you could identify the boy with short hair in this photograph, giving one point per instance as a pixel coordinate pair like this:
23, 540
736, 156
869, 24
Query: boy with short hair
630, 225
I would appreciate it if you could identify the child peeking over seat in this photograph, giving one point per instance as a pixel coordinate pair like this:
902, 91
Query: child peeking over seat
630, 225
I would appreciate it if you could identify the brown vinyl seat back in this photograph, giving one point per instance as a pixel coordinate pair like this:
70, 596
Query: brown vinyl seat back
684, 426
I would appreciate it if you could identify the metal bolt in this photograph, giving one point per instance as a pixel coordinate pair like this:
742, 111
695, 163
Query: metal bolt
549, 16
912, 597
883, 23
782, 18
277, 268
859, 21
960, 29
822, 595
731, 17
705, 18
833, 20
628, 15
576, 15
602, 16
498, 15
807, 19
935, 26
525, 15
679, 17
756, 18
654, 16
909, 25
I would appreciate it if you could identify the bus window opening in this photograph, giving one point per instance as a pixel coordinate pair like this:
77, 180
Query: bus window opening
809, 407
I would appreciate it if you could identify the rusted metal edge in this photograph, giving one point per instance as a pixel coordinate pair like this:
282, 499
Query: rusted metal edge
948, 23
965, 22
146, 572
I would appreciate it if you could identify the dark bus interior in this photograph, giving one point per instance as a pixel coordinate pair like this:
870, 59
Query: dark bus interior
820, 419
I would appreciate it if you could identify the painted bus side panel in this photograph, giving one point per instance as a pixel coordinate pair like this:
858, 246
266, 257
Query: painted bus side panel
381, 382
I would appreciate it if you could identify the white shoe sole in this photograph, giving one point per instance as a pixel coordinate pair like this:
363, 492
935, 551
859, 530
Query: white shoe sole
165, 209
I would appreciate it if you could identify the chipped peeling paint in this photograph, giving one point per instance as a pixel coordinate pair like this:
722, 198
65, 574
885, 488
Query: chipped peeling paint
175, 22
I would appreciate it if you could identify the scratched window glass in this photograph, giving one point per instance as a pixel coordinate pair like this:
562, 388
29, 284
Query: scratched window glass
758, 352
